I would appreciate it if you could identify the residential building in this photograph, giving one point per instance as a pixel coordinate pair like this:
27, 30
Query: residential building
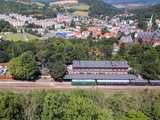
59, 26
63, 2
151, 38
126, 40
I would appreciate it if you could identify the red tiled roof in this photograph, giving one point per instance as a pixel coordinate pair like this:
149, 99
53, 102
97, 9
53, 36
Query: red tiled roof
3, 64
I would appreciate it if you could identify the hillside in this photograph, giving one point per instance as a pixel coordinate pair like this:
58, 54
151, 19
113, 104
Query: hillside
151, 2
11, 6
98, 7
144, 14
147, 12
95, 8
44, 1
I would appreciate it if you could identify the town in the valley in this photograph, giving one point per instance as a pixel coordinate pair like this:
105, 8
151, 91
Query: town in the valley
79, 59
78, 48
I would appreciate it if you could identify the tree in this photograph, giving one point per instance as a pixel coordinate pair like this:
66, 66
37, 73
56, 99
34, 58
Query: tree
142, 23
6, 27
57, 70
11, 107
156, 108
151, 65
15, 49
133, 115
59, 53
3, 57
83, 27
81, 108
33, 105
24, 67
72, 24
144, 60
75, 52
4, 44
104, 30
54, 106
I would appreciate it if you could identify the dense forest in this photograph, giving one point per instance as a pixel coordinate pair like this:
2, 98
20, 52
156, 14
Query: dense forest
6, 27
148, 11
80, 105
26, 9
145, 60
14, 7
55, 54
144, 14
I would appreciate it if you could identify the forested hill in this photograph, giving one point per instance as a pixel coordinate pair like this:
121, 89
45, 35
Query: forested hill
99, 7
147, 12
11, 6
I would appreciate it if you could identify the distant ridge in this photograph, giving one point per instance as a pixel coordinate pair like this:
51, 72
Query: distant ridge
44, 1
145, 2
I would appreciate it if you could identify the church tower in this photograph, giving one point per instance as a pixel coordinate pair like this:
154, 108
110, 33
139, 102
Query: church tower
150, 23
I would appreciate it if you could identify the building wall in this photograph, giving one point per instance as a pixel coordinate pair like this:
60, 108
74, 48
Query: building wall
99, 71
25, 1
149, 42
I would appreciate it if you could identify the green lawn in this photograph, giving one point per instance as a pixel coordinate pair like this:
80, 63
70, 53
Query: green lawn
19, 37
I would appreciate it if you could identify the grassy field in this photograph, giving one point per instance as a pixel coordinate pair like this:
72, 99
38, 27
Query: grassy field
81, 7
19, 37
80, 13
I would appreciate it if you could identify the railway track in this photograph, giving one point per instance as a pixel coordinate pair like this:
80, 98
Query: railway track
29, 86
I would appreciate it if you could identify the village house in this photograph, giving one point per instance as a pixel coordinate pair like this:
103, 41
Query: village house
126, 40
151, 38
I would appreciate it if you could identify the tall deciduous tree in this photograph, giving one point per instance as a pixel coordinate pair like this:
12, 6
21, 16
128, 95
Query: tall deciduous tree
11, 107
3, 57
133, 115
54, 106
24, 67
57, 70
81, 108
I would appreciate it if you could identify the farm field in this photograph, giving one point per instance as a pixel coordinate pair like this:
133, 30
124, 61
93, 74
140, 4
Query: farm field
19, 37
